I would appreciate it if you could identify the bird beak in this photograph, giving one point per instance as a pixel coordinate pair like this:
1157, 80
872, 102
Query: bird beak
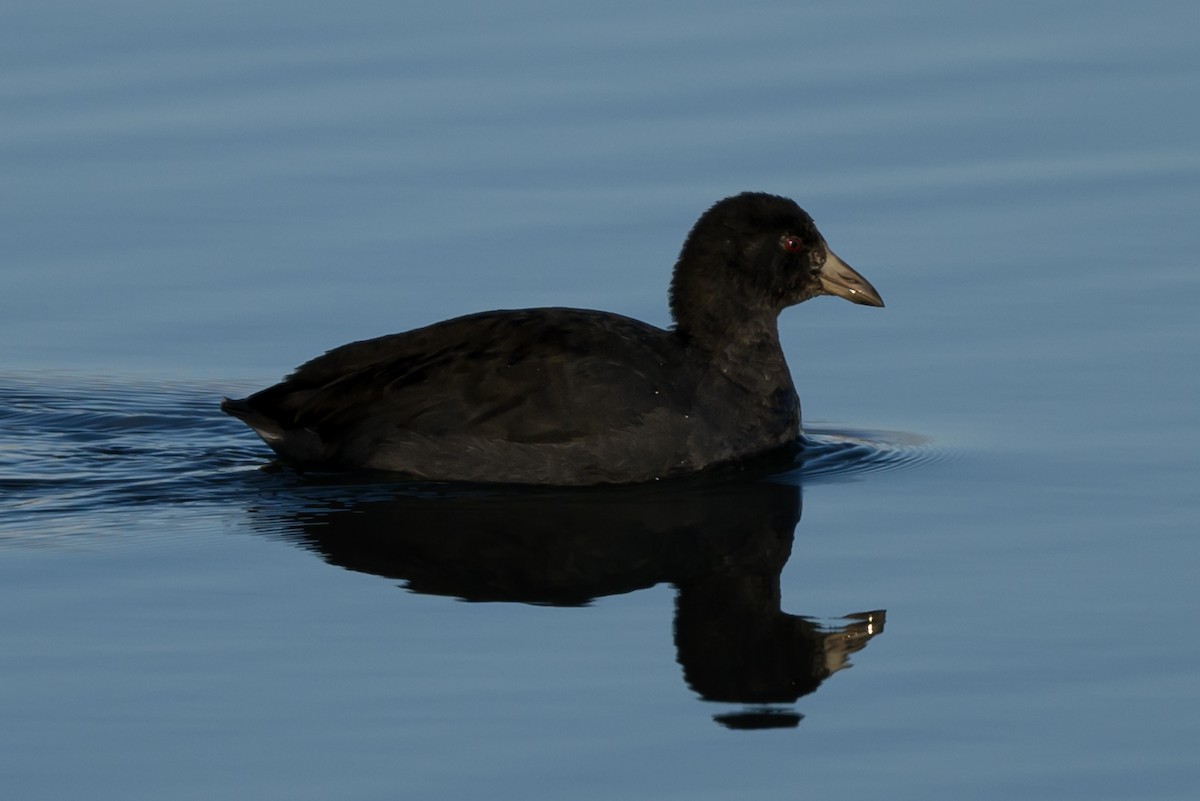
839, 278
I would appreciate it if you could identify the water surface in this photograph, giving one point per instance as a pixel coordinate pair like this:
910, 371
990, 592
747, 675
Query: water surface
999, 489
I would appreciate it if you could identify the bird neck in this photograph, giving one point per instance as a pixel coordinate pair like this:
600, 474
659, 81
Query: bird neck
745, 350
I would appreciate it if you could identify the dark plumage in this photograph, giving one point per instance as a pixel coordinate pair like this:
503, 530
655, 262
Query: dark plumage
570, 397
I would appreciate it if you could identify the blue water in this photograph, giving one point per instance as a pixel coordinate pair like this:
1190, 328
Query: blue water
1000, 484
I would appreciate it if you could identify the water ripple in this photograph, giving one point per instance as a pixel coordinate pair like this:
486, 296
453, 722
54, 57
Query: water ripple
832, 454
80, 455
75, 452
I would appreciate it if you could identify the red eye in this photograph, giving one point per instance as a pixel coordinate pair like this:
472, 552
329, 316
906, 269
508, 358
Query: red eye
792, 244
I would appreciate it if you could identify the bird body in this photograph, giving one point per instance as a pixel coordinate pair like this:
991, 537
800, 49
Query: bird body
562, 396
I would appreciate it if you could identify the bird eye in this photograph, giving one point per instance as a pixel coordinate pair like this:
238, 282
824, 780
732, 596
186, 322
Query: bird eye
792, 244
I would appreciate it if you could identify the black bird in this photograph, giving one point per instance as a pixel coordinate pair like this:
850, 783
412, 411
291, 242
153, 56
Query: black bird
573, 397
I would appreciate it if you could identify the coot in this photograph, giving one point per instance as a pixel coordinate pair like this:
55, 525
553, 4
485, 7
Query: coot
572, 397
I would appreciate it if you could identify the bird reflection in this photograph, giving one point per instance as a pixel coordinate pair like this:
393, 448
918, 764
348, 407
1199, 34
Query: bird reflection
721, 542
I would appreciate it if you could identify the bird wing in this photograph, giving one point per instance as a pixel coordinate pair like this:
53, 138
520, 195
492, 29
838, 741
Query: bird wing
536, 376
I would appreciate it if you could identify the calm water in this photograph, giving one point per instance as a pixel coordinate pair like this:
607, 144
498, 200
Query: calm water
994, 522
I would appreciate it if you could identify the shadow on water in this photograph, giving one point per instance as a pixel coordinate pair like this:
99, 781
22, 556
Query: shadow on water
75, 454
721, 543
